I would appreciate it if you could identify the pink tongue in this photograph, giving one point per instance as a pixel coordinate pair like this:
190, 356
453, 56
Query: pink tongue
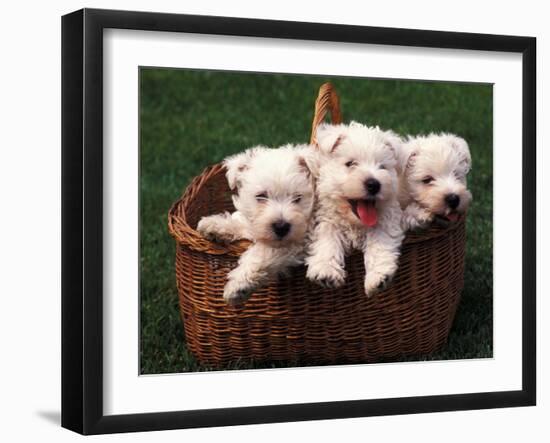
367, 213
453, 216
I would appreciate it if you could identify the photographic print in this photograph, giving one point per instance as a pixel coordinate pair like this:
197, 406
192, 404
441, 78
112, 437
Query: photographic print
312, 220
250, 204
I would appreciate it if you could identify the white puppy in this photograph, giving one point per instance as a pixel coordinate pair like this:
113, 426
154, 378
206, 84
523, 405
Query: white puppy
432, 182
274, 201
357, 206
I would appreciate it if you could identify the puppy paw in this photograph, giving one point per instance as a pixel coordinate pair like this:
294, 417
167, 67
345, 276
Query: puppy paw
326, 275
209, 228
235, 295
376, 282
416, 219
206, 227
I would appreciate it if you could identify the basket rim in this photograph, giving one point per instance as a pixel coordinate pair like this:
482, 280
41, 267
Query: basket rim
186, 235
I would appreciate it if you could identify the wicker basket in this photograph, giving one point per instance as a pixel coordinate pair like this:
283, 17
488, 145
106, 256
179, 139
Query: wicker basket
296, 321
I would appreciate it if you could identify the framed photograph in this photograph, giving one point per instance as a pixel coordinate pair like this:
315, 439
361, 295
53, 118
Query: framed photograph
269, 221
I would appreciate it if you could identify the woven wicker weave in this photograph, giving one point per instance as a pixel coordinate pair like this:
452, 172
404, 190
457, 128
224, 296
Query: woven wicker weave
293, 320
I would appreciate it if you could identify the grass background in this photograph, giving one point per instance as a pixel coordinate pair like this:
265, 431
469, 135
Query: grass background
191, 119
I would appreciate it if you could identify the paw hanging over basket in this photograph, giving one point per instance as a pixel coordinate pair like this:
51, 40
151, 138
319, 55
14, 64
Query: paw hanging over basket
296, 321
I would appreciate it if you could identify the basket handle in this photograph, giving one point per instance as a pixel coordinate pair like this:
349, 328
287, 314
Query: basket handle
327, 101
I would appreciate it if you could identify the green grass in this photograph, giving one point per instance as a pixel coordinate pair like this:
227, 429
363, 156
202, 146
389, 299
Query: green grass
191, 119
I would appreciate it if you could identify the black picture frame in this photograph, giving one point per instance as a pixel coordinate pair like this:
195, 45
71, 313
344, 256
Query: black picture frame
82, 218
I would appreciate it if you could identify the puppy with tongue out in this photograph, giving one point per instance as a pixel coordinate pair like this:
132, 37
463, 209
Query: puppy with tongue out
357, 208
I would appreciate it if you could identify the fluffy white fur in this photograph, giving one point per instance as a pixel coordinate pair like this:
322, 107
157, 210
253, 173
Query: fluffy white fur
433, 168
346, 157
274, 193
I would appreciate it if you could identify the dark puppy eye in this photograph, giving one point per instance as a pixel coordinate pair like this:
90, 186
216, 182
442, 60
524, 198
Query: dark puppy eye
351, 163
382, 167
427, 180
297, 199
261, 196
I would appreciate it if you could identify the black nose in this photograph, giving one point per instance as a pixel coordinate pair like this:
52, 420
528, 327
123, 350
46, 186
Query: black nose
281, 228
373, 186
452, 200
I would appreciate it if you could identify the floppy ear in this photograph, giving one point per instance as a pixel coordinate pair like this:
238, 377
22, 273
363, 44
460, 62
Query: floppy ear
329, 137
461, 147
236, 165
